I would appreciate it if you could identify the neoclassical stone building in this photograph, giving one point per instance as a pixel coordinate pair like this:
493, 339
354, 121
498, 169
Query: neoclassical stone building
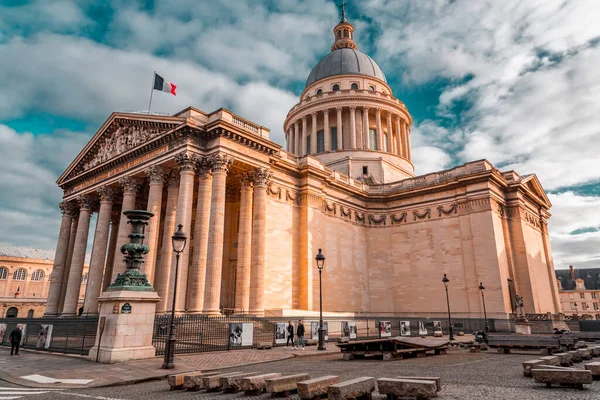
256, 213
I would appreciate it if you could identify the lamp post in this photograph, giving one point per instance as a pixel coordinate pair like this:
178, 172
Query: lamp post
320, 259
450, 328
4, 306
178, 240
487, 327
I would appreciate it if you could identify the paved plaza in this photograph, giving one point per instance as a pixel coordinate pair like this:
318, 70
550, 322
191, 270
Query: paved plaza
464, 376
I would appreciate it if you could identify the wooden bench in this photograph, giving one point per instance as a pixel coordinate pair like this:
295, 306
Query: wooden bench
231, 384
255, 385
436, 379
284, 385
594, 368
194, 381
565, 377
316, 388
213, 383
360, 388
418, 388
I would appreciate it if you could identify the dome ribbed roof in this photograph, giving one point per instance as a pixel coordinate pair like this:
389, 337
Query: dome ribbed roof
345, 61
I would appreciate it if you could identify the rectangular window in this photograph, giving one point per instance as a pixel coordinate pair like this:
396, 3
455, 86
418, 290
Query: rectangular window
571, 296
596, 306
320, 142
365, 170
385, 142
308, 144
582, 295
593, 295
373, 139
334, 143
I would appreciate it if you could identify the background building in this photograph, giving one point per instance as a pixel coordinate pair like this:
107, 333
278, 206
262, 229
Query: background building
25, 280
580, 291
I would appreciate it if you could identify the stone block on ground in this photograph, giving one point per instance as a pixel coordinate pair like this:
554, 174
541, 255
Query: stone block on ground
565, 359
254, 385
264, 346
176, 381
595, 350
213, 383
594, 368
581, 344
576, 357
461, 333
231, 384
551, 360
194, 381
531, 364
586, 354
436, 379
394, 388
360, 388
311, 342
314, 388
285, 384
562, 376
344, 340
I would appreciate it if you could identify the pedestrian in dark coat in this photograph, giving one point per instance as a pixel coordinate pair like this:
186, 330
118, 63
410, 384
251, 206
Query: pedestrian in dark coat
300, 333
290, 331
15, 340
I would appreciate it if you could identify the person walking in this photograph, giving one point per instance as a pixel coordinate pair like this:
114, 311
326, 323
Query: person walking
300, 333
15, 340
290, 332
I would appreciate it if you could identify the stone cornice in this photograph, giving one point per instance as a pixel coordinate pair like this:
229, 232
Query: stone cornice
232, 132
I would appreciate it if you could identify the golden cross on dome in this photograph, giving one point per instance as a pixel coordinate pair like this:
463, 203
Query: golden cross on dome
342, 6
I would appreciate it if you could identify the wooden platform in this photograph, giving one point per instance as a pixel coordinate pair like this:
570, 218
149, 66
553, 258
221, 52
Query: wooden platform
393, 347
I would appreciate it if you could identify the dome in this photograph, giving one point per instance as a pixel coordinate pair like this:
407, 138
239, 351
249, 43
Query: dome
345, 61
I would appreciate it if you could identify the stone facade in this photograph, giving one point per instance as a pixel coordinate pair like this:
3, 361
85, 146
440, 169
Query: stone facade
579, 296
25, 281
256, 213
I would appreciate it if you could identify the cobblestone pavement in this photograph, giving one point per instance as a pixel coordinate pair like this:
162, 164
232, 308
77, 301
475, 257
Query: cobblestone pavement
465, 376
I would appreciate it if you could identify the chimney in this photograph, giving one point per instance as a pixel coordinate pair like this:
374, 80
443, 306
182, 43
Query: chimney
572, 273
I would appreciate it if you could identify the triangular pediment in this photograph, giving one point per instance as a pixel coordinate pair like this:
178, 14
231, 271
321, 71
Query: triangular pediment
120, 134
532, 184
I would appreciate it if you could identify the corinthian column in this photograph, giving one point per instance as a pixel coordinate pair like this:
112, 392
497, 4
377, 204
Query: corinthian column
187, 166
353, 127
164, 277
62, 247
326, 130
115, 216
340, 138
408, 151
313, 141
366, 139
198, 266
399, 147
72, 234
390, 139
298, 138
156, 178
76, 270
131, 187
257, 274
379, 131
94, 283
214, 263
244, 255
304, 137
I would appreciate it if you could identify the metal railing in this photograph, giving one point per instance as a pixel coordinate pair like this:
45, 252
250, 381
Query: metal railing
75, 335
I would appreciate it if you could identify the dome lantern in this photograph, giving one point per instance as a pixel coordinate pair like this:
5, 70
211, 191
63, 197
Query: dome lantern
343, 33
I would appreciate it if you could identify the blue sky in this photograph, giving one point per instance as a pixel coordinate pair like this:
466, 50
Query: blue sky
512, 81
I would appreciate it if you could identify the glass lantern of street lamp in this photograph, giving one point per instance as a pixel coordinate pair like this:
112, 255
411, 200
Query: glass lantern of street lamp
179, 240
481, 287
320, 258
445, 280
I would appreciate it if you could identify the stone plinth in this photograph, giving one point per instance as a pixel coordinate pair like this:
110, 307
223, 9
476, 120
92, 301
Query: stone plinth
407, 387
317, 387
523, 328
594, 367
127, 333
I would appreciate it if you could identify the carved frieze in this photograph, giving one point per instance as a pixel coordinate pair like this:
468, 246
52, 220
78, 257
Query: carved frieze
331, 207
346, 213
422, 215
397, 219
359, 217
274, 192
373, 220
447, 211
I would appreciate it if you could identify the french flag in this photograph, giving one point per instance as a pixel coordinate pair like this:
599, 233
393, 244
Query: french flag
164, 85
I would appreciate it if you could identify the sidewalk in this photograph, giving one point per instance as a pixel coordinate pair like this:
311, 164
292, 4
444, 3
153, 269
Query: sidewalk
60, 371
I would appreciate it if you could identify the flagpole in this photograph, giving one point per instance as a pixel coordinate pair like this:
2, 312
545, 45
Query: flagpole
151, 91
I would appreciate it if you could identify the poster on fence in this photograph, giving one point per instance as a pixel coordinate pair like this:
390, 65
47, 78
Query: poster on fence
349, 329
385, 329
24, 333
404, 328
44, 337
2, 333
437, 327
422, 328
281, 333
241, 334
314, 327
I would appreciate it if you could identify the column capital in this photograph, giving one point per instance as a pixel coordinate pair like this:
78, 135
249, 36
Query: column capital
156, 174
246, 180
352, 108
67, 207
220, 162
313, 114
186, 161
86, 202
130, 184
366, 108
378, 110
262, 176
339, 108
107, 193
203, 168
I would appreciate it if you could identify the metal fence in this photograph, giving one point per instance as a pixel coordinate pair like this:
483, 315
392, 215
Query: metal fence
75, 335
201, 333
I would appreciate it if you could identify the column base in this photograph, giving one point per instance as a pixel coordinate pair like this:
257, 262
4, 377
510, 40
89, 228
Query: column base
256, 313
67, 315
212, 312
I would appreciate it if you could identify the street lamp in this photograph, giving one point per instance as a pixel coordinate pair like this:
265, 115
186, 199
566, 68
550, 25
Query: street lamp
450, 328
487, 327
178, 240
320, 259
